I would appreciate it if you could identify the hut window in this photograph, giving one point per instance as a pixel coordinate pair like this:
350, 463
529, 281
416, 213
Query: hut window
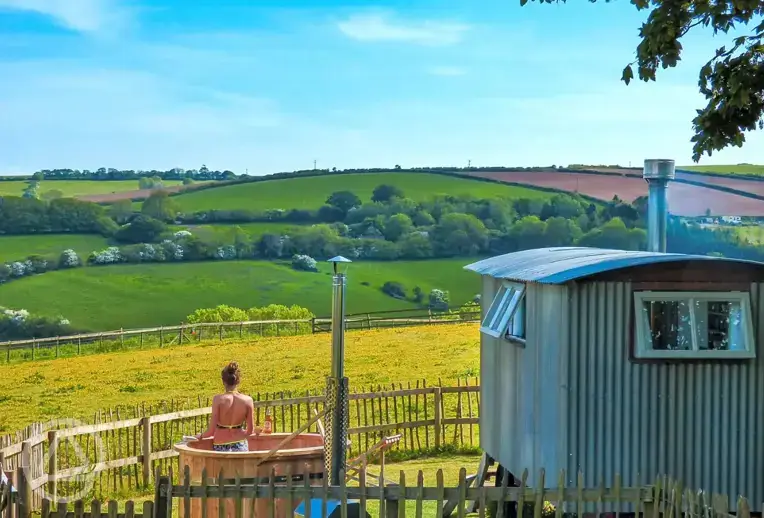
693, 325
506, 314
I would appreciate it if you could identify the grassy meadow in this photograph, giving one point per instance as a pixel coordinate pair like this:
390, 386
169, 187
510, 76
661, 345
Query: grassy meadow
311, 192
78, 387
226, 232
14, 248
740, 169
72, 188
144, 295
753, 234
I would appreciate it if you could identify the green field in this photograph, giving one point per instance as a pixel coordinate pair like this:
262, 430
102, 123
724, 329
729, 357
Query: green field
741, 169
753, 234
76, 187
143, 295
311, 192
14, 248
226, 232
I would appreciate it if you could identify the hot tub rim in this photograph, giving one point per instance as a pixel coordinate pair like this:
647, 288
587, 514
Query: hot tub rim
182, 447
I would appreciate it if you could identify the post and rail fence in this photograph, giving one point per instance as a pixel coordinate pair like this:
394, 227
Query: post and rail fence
162, 336
116, 455
176, 495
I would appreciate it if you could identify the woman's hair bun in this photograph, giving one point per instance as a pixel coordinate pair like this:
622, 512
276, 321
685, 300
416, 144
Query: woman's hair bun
231, 374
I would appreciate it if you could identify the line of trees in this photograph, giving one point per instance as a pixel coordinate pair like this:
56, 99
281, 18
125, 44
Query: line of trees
110, 173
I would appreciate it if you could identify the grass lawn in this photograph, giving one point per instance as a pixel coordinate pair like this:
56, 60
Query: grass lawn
311, 193
77, 387
14, 248
747, 169
75, 187
143, 295
754, 234
225, 232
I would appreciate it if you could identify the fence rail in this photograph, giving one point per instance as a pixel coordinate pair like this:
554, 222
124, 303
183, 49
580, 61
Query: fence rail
105, 458
56, 346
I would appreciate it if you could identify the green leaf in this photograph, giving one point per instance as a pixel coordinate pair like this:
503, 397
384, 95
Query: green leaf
628, 74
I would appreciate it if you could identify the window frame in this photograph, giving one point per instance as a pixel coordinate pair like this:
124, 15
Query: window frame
501, 316
643, 348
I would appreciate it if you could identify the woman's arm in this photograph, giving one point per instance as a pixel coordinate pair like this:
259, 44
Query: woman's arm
251, 419
213, 421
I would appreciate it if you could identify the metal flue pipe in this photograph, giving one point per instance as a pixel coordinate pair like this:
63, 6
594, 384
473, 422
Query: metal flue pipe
335, 442
657, 173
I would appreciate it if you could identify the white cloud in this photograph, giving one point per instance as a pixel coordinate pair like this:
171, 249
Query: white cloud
447, 71
376, 27
79, 15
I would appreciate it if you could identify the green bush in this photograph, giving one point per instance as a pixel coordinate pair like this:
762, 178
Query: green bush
394, 289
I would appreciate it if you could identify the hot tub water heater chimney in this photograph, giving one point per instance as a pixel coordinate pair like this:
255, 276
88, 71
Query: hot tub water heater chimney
657, 173
335, 442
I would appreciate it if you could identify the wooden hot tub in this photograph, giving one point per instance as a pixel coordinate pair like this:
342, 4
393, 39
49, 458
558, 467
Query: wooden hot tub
304, 454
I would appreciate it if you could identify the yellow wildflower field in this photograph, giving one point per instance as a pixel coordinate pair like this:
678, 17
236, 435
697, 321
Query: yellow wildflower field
78, 387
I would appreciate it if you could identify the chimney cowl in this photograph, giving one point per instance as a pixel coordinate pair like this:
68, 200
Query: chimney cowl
659, 169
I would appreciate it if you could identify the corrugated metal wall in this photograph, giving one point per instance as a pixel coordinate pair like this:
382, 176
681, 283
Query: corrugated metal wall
701, 423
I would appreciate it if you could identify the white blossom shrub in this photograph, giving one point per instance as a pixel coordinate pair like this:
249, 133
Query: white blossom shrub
181, 234
63, 322
69, 259
305, 263
226, 252
439, 299
147, 252
16, 316
111, 255
173, 251
19, 269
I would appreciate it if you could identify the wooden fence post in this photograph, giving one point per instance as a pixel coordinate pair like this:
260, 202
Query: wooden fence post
180, 334
8, 353
34, 346
241, 329
52, 464
163, 498
313, 325
146, 449
79, 345
438, 417
58, 343
161, 336
24, 484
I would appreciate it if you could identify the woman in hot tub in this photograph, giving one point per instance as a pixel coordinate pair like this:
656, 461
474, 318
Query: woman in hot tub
232, 420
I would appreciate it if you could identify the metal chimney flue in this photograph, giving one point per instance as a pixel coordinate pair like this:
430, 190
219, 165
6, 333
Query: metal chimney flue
657, 173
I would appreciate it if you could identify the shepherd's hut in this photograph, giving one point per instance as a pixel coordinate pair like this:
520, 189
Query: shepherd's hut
611, 361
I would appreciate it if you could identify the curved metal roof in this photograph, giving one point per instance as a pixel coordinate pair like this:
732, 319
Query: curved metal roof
562, 264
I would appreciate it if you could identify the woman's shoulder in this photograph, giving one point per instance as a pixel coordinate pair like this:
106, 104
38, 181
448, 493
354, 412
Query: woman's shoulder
245, 398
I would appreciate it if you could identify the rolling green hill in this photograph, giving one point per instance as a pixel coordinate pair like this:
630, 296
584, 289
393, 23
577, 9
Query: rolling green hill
311, 192
740, 169
75, 187
140, 295
14, 248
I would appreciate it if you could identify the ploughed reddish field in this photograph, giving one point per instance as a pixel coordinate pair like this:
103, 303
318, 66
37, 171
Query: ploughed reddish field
684, 200
741, 184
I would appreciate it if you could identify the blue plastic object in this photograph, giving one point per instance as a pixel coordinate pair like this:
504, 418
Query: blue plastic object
333, 509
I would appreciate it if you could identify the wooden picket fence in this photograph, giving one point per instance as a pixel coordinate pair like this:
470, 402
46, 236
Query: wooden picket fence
115, 454
163, 336
238, 497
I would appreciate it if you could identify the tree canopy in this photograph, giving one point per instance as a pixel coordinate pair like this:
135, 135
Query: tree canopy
732, 81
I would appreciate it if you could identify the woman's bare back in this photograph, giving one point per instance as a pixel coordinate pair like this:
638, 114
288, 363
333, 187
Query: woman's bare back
232, 413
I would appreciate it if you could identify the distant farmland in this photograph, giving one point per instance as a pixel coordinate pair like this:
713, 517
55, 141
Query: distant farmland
684, 199
76, 188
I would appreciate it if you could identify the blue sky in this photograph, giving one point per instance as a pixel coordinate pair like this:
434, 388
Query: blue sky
267, 86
